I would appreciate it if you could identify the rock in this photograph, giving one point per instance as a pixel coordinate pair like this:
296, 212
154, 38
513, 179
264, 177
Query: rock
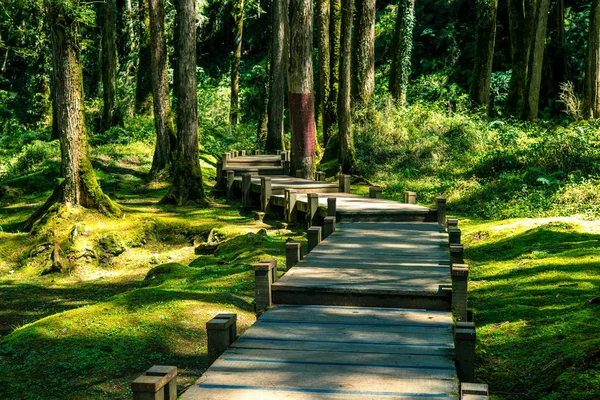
207, 248
282, 225
112, 244
262, 232
215, 236
259, 216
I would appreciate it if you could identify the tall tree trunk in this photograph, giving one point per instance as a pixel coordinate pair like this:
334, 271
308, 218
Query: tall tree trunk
484, 52
277, 65
402, 51
556, 52
363, 86
591, 97
238, 16
300, 88
347, 157
335, 28
110, 115
163, 119
324, 54
79, 186
186, 173
126, 51
143, 88
527, 23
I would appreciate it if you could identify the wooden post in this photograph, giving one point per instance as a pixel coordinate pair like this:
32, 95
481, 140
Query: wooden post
331, 206
320, 176
454, 235
219, 177
286, 167
232, 327
246, 190
219, 337
290, 206
375, 192
460, 279
344, 183
257, 152
474, 391
314, 237
235, 153
230, 180
265, 193
328, 226
313, 205
452, 223
410, 197
243, 153
225, 158
263, 277
292, 254
457, 252
273, 269
464, 343
158, 383
299, 173
278, 152
441, 210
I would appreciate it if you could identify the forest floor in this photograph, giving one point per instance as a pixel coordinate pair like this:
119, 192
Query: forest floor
134, 293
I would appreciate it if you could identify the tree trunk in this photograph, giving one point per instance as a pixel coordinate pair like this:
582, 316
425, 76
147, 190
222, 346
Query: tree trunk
527, 23
347, 157
363, 86
79, 186
402, 51
278, 62
484, 52
163, 119
111, 115
143, 87
591, 97
300, 88
126, 51
238, 16
335, 26
186, 173
555, 64
324, 54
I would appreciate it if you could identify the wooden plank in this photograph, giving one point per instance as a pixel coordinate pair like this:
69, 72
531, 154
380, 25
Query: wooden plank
423, 268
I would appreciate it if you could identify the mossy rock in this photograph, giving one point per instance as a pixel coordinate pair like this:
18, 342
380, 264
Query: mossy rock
165, 272
112, 244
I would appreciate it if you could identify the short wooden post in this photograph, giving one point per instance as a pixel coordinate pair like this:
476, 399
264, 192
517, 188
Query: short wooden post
375, 192
299, 173
230, 181
290, 206
474, 391
410, 197
452, 223
314, 237
441, 210
265, 193
331, 206
313, 205
457, 252
232, 317
256, 152
454, 235
344, 183
460, 279
166, 372
243, 153
219, 177
273, 269
225, 158
158, 383
217, 332
236, 153
320, 176
328, 226
292, 254
278, 152
286, 167
464, 348
246, 190
263, 277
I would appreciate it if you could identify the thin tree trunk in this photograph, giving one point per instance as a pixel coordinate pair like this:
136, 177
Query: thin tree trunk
187, 175
300, 88
324, 54
278, 62
335, 27
111, 115
163, 119
363, 85
143, 87
126, 50
347, 157
556, 52
402, 51
591, 98
238, 15
484, 52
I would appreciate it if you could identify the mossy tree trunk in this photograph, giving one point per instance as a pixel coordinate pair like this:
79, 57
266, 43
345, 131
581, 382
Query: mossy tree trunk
110, 115
238, 16
143, 87
186, 173
335, 26
163, 119
363, 85
324, 54
78, 186
591, 97
346, 156
484, 52
527, 23
402, 51
277, 66
300, 88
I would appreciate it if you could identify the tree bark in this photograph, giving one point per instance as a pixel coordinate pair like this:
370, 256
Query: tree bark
591, 97
402, 51
238, 16
278, 62
484, 52
527, 23
347, 156
335, 26
186, 173
300, 88
556, 52
363, 85
163, 119
143, 87
324, 54
79, 186
110, 115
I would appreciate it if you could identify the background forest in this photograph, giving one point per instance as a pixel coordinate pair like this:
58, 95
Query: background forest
469, 99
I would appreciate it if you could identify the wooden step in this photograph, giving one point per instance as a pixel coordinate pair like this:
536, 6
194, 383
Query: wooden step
239, 171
